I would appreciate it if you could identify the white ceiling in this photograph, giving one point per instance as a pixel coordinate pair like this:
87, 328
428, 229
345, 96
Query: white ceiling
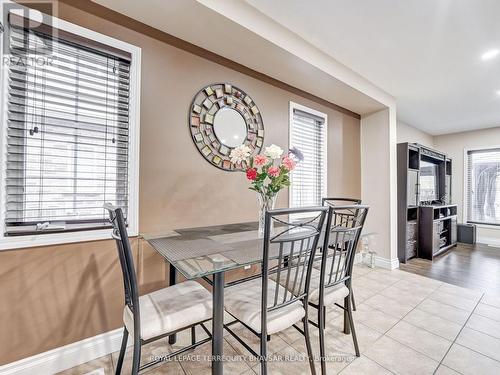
426, 53
287, 58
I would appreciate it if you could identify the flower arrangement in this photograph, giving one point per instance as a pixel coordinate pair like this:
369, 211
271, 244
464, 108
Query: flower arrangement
268, 173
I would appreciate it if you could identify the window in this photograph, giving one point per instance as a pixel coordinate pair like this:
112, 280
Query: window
308, 134
70, 115
483, 186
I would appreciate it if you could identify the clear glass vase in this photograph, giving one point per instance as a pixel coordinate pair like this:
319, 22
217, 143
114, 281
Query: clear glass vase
265, 204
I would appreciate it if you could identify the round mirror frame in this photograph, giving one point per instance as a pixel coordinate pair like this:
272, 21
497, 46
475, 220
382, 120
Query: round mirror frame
205, 105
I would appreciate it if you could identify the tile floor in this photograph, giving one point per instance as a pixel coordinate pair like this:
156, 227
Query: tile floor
406, 324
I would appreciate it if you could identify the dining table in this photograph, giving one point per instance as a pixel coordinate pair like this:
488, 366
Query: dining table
208, 253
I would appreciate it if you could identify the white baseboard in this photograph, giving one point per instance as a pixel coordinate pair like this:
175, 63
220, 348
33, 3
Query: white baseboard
67, 356
491, 241
389, 264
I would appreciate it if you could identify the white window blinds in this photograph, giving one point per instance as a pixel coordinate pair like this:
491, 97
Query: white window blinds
483, 186
67, 133
308, 134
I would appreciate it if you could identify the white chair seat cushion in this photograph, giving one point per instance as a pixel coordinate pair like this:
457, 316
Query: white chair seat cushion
332, 294
170, 309
243, 301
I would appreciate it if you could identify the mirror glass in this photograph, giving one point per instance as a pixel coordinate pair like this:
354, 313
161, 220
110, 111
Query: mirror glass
230, 127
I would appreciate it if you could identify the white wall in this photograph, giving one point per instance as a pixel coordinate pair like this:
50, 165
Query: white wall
379, 183
453, 145
407, 133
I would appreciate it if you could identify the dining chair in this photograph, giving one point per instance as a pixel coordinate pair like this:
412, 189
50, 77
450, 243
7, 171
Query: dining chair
332, 269
264, 306
348, 221
335, 276
158, 314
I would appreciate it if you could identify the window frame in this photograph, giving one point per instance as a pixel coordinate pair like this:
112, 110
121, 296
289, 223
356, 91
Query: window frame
303, 108
16, 242
465, 205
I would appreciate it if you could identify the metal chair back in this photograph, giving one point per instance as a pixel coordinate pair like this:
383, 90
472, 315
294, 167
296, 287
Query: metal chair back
288, 253
341, 201
344, 225
338, 256
130, 287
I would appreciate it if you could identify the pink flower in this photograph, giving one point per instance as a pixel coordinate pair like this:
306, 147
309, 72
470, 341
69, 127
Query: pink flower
273, 171
260, 160
288, 163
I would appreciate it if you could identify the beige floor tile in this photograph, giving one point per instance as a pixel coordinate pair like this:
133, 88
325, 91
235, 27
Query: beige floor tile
404, 296
445, 311
469, 362
164, 369
362, 294
275, 344
374, 318
364, 366
360, 270
480, 342
472, 294
290, 335
338, 348
197, 362
484, 325
366, 336
288, 361
398, 273
421, 340
492, 300
390, 306
99, 366
385, 277
184, 337
369, 284
433, 323
422, 281
443, 370
332, 312
454, 300
400, 359
149, 352
413, 287
488, 311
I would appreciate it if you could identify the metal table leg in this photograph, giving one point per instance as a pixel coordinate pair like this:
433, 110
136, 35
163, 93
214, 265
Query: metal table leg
171, 281
217, 324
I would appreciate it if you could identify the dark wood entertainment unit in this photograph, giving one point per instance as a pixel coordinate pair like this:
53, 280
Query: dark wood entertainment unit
427, 221
437, 230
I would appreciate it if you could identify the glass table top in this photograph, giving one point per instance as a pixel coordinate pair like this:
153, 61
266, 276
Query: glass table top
198, 252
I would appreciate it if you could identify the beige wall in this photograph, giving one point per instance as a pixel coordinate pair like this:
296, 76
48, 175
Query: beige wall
55, 295
378, 183
454, 145
407, 133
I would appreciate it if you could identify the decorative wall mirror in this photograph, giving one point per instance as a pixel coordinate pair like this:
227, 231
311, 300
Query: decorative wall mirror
221, 118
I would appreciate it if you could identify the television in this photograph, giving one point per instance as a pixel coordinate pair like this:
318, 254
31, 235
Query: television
429, 181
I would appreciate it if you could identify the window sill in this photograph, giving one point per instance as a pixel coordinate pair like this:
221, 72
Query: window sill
21, 242
487, 226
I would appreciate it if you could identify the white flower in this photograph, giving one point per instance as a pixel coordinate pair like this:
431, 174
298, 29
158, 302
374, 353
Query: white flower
273, 151
240, 154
